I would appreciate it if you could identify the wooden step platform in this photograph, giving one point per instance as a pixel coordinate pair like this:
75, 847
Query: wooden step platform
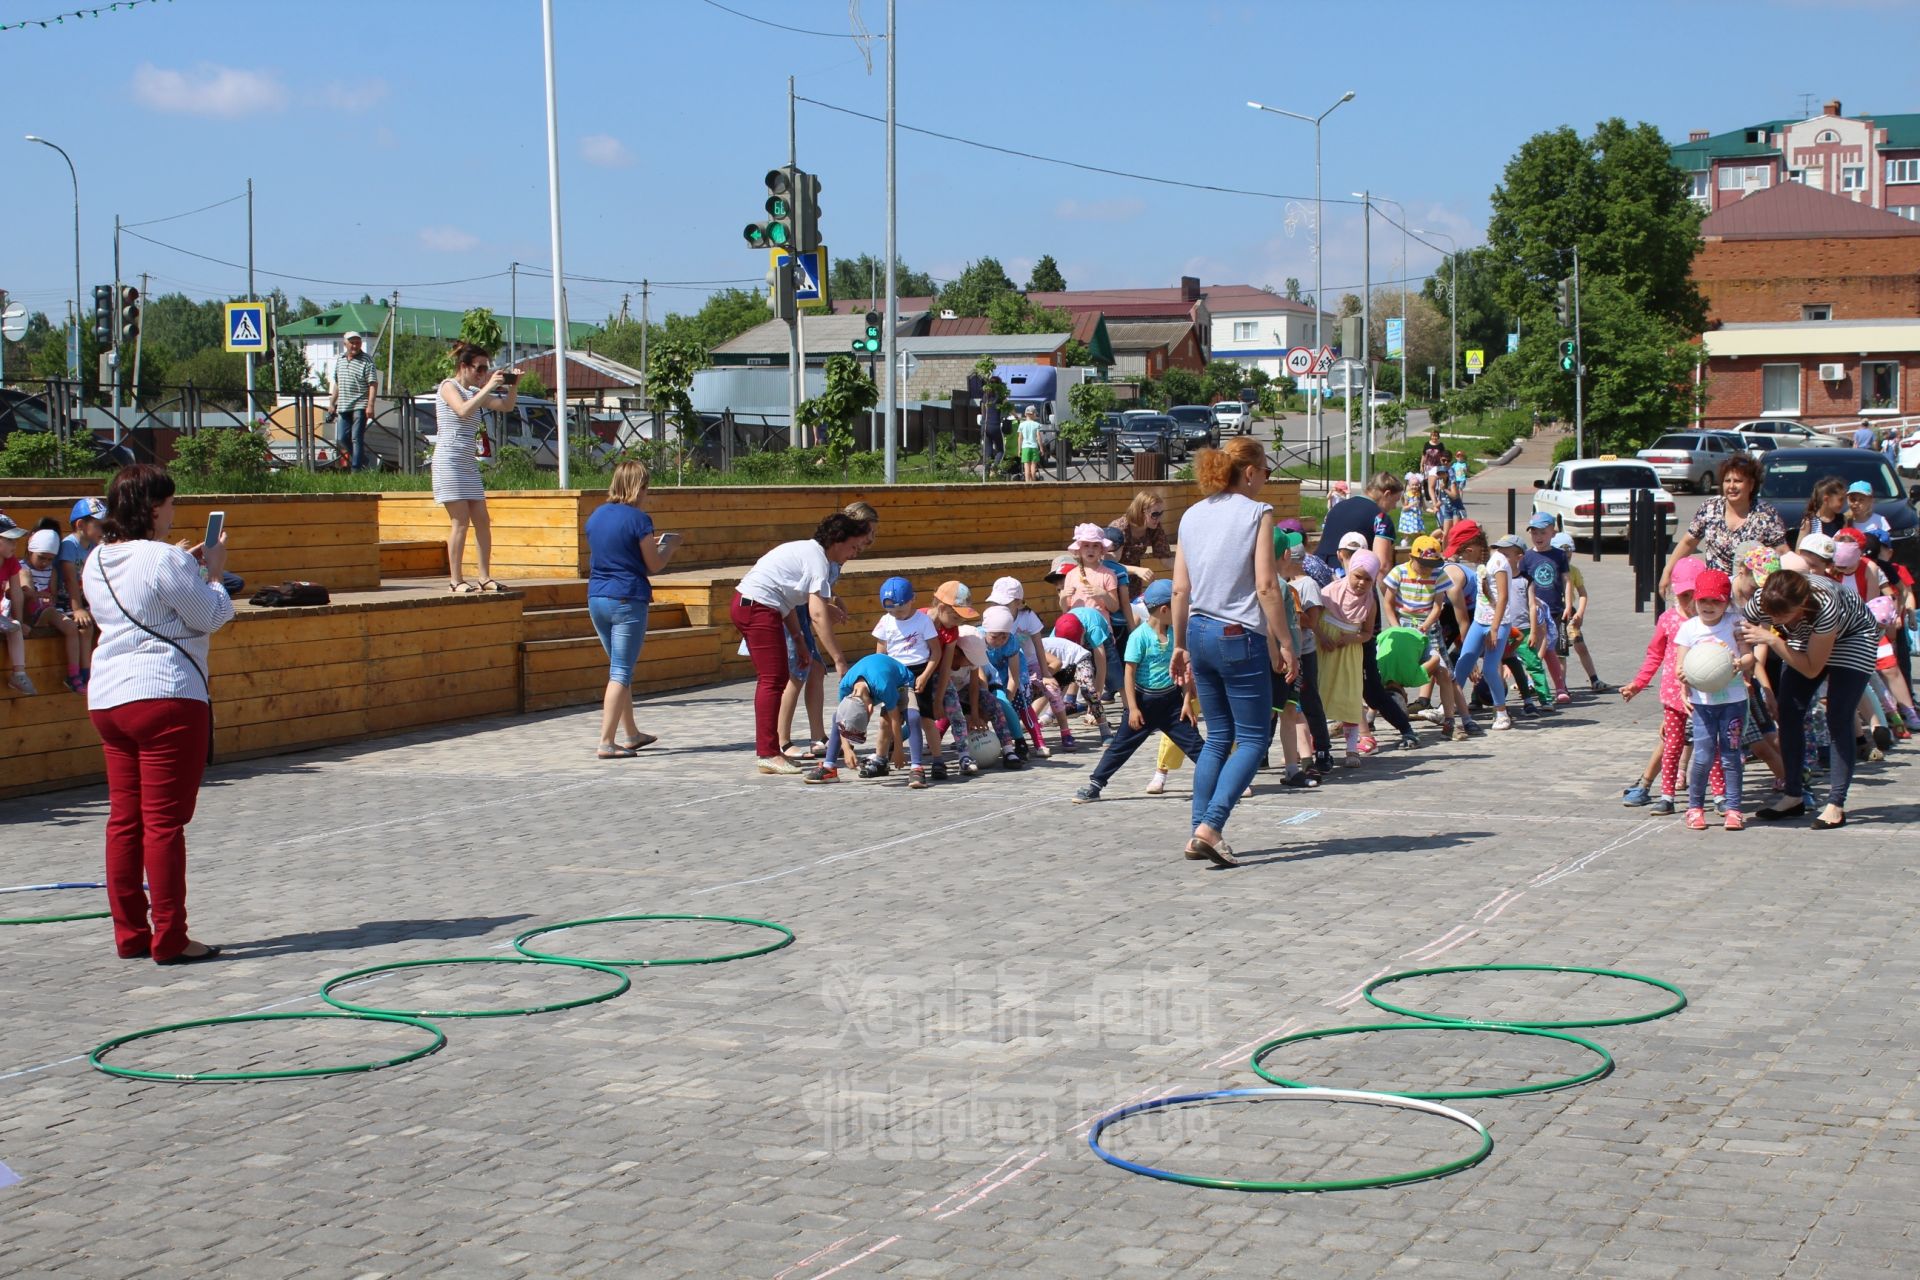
423, 559
572, 623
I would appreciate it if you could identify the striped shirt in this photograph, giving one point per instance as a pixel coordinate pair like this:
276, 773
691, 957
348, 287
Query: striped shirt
159, 585
1412, 593
1856, 637
352, 376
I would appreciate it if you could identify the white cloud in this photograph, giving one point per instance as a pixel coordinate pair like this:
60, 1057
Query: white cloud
354, 96
208, 90
605, 150
448, 239
1098, 210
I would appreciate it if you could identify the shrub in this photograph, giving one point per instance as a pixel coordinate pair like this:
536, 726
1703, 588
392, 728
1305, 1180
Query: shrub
233, 455
31, 453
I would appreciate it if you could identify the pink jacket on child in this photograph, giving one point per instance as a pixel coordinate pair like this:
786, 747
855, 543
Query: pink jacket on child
1660, 651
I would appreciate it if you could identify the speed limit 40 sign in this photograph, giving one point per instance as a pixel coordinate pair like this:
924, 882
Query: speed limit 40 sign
1299, 362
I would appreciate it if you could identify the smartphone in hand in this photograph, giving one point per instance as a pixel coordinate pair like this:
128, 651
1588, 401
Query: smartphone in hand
216, 525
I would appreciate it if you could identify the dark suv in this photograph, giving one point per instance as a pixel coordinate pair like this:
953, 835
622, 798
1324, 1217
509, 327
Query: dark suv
1787, 477
1197, 427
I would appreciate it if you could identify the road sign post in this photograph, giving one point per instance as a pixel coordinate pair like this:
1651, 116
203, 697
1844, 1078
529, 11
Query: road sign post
1299, 362
1476, 361
246, 329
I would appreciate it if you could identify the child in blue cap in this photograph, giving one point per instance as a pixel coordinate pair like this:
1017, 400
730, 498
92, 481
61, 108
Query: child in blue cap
1154, 701
875, 683
909, 637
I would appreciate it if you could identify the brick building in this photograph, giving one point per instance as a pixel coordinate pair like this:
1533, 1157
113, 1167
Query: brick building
1813, 305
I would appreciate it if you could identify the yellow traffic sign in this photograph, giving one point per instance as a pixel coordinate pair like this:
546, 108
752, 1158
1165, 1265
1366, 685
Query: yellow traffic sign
1476, 359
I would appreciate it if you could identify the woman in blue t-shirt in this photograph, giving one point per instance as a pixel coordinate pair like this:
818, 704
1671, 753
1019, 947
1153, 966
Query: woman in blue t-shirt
625, 551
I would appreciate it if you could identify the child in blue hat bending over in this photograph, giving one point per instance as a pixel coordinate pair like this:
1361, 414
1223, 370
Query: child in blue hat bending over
1154, 701
875, 683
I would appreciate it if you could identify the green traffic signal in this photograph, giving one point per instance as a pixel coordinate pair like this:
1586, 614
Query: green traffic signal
1566, 356
778, 235
756, 234
777, 207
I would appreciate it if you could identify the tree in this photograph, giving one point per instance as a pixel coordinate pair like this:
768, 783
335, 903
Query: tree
1182, 386
724, 316
830, 415
212, 371
672, 364
1426, 335
479, 328
1617, 196
1090, 403
1046, 277
1223, 379
1293, 289
865, 276
1349, 304
1012, 313
977, 285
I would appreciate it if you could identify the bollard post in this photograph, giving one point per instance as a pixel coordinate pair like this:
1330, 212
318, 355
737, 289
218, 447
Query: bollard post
1510, 510
1597, 509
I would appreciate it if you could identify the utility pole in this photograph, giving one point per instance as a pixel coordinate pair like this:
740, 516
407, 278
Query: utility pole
794, 372
113, 355
1579, 368
513, 316
139, 338
891, 336
1366, 329
250, 298
645, 322
559, 268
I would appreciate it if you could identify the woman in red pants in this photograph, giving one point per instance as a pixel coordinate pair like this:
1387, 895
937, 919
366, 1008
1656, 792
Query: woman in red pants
155, 610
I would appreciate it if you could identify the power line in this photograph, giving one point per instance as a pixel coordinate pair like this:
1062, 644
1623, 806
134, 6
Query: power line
1070, 164
339, 284
60, 19
799, 31
188, 214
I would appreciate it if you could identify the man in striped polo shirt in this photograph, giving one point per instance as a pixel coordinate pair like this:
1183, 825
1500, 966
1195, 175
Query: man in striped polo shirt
355, 379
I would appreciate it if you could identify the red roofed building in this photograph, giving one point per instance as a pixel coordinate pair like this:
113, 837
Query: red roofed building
1813, 304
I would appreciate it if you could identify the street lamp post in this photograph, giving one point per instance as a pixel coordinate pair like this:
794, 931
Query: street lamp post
1453, 305
1406, 321
73, 339
1319, 259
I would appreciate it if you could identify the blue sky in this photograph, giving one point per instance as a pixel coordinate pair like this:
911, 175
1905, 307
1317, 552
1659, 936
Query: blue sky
405, 142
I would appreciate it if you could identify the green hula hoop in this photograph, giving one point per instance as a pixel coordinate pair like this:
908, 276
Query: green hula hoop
1296, 1095
82, 915
1679, 996
326, 990
96, 1059
1510, 1091
520, 943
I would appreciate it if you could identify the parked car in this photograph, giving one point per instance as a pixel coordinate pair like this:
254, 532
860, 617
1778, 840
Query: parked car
1787, 477
1692, 459
21, 411
1758, 445
1197, 427
1149, 433
529, 425
1787, 434
1567, 495
1909, 457
1230, 416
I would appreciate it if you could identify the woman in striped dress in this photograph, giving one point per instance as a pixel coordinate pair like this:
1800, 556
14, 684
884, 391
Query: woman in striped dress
456, 474
1808, 630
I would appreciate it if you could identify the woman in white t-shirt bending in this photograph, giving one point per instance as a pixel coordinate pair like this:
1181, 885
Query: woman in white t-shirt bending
792, 577
149, 702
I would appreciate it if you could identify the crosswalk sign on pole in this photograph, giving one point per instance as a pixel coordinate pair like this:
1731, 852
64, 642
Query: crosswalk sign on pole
810, 274
246, 330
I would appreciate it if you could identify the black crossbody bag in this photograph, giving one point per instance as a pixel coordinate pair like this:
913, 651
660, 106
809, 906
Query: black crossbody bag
198, 669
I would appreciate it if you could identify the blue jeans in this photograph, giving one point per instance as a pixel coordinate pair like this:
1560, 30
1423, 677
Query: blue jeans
1472, 647
621, 623
352, 437
1233, 677
1716, 734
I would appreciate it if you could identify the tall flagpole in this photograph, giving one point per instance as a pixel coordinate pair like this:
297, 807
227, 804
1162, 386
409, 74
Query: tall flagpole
559, 270
891, 336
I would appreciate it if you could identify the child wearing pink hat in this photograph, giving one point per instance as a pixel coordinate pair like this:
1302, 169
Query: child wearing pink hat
1676, 722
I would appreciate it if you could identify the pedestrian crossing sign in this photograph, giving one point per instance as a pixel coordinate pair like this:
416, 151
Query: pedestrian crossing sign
247, 327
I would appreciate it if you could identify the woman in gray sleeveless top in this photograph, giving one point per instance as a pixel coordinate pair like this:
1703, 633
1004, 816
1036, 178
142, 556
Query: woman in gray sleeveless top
456, 471
1229, 632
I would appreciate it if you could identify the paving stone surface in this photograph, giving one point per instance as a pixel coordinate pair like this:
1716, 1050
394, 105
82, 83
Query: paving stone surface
981, 970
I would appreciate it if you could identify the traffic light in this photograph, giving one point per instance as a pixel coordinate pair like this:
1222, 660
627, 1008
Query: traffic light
103, 316
806, 212
129, 320
1566, 355
777, 231
870, 344
1563, 301
780, 299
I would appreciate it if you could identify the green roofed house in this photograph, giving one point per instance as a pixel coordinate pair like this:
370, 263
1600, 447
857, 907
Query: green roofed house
1872, 159
322, 337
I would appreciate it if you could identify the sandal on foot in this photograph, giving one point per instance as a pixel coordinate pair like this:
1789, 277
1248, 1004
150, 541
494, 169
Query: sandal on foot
462, 588
490, 586
612, 751
639, 741
1218, 853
